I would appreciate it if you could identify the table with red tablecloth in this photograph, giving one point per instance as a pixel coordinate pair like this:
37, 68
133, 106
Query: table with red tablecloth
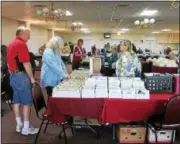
126, 110
170, 70
106, 110
88, 108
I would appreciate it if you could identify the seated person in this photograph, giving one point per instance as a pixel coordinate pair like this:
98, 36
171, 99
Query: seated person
172, 56
103, 52
113, 58
5, 76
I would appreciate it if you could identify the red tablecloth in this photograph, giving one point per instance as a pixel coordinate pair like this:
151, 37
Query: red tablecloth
164, 69
177, 84
106, 110
121, 110
89, 108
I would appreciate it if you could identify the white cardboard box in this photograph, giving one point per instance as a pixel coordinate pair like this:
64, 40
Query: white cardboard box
88, 93
128, 94
138, 84
114, 87
101, 93
66, 94
115, 93
163, 136
142, 94
95, 65
125, 84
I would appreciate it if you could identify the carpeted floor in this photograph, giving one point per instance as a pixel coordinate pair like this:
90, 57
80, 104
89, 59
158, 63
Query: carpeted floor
82, 136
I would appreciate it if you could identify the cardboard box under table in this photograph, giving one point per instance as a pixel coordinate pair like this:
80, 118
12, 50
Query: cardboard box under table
163, 137
131, 133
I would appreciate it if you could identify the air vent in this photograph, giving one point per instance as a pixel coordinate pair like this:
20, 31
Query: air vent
123, 5
159, 20
39, 6
116, 19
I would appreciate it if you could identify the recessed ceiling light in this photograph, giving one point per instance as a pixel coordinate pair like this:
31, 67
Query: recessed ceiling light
148, 12
155, 32
165, 30
68, 13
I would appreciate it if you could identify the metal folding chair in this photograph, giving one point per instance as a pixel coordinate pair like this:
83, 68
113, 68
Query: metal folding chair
166, 119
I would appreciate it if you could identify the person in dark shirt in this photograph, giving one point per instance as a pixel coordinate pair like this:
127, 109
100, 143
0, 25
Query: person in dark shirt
114, 57
5, 82
72, 48
4, 67
93, 50
32, 61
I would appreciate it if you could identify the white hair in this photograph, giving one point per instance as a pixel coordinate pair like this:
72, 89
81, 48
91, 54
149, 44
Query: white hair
21, 29
54, 43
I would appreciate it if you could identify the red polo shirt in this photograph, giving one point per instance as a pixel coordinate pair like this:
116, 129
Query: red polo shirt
78, 58
17, 48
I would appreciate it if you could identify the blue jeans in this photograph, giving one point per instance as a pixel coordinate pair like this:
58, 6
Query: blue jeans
22, 93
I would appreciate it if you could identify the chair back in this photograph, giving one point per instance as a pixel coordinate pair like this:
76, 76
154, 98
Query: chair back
38, 99
172, 111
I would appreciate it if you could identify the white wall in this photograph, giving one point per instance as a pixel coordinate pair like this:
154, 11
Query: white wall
39, 35
149, 41
8, 30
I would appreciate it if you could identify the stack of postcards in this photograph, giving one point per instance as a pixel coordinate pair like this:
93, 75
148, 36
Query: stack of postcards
68, 88
88, 88
114, 87
80, 74
101, 89
140, 91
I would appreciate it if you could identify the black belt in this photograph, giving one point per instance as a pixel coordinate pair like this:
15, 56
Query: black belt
18, 72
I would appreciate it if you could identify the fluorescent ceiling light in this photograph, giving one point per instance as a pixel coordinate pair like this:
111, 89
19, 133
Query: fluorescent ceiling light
165, 30
59, 29
155, 32
84, 29
125, 29
68, 13
80, 23
74, 23
148, 12
118, 33
87, 31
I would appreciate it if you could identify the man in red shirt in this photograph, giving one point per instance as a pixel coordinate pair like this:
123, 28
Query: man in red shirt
78, 54
21, 78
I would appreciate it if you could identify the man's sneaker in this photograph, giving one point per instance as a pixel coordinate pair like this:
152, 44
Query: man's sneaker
19, 128
30, 130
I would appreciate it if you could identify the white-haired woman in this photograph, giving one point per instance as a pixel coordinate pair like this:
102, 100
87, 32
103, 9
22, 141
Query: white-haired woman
53, 69
128, 64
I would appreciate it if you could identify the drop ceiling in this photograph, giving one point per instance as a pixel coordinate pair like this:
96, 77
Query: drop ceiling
98, 17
